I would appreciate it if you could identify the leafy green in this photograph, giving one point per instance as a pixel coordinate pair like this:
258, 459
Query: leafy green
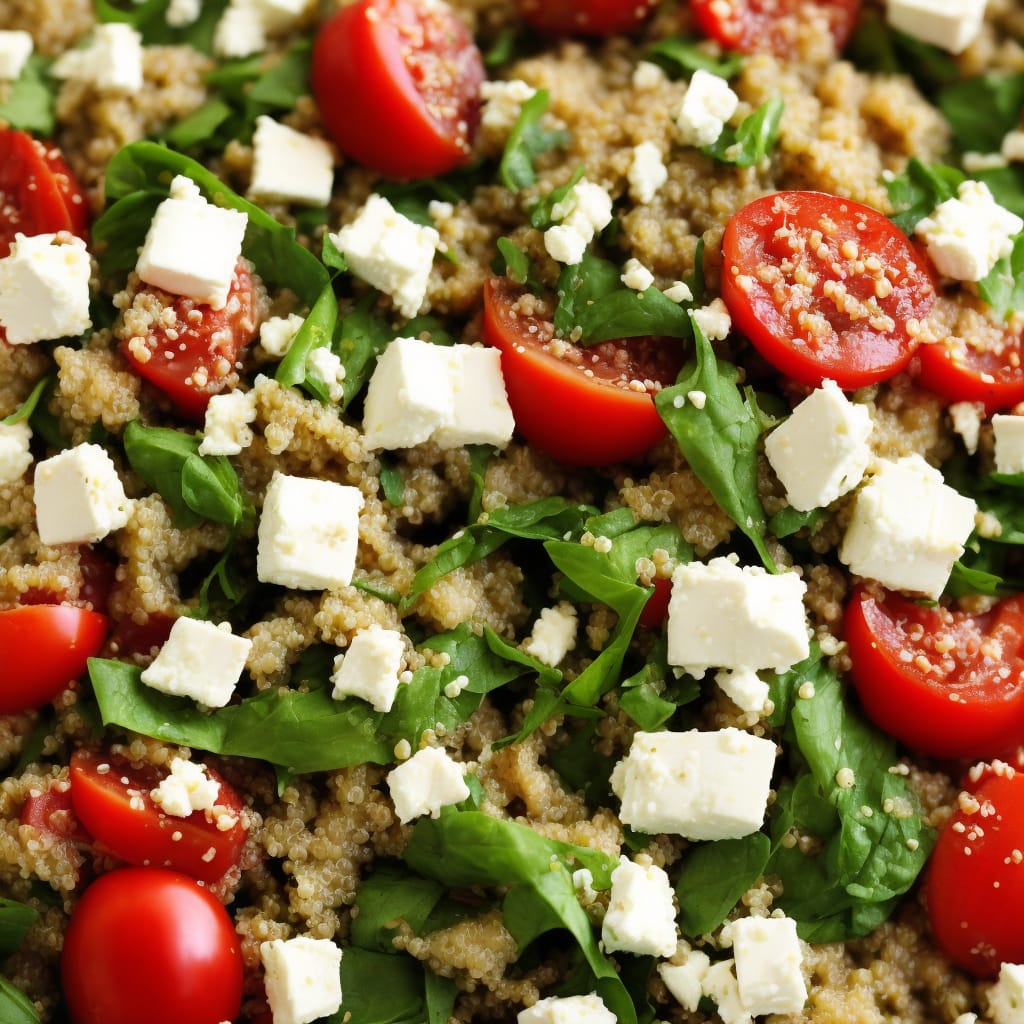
982, 110
526, 141
753, 140
361, 338
1003, 287
15, 920
541, 214
582, 768
921, 188
317, 331
652, 695
875, 46
392, 483
412, 199
29, 105
682, 55
1006, 185
512, 261
790, 520
15, 1006
379, 988
149, 17
25, 410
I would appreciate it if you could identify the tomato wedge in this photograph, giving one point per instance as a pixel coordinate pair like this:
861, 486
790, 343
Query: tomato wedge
585, 17
770, 26
946, 683
825, 288
578, 406
398, 86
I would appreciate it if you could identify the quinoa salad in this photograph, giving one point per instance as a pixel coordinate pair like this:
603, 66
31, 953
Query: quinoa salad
511, 510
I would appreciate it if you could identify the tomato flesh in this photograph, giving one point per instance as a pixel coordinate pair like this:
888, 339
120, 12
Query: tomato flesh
824, 288
655, 612
586, 17
946, 683
398, 86
769, 26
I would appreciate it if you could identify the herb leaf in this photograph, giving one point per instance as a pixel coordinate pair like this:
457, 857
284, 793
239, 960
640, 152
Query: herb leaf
29, 106
25, 410
754, 139
317, 331
982, 110
381, 988
682, 55
15, 1006
1003, 287
526, 141
917, 192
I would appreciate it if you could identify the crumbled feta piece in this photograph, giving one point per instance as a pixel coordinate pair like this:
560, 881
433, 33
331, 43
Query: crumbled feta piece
567, 1010
183, 12
185, 789
15, 454
713, 320
907, 528
685, 981
15, 50
720, 984
636, 276
226, 429
192, 246
701, 785
44, 288
707, 105
278, 333
1009, 438
79, 496
290, 166
1012, 148
967, 419
480, 413
1006, 996
745, 688
329, 368
425, 783
821, 451
949, 24
503, 102
972, 161
370, 666
724, 616
240, 31
647, 172
641, 917
968, 235
586, 210
308, 533
679, 291
111, 61
201, 660
648, 76
302, 977
390, 252
553, 635
768, 961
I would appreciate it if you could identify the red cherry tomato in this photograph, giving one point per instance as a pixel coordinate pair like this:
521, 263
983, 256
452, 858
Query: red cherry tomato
50, 813
97, 572
43, 647
111, 798
824, 287
769, 26
578, 407
946, 683
194, 358
656, 610
975, 885
586, 17
398, 86
147, 944
129, 638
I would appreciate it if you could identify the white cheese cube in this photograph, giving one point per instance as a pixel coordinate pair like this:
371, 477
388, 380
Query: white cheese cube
79, 496
44, 288
685, 981
768, 959
907, 528
480, 413
553, 635
302, 977
289, 166
968, 235
192, 246
308, 533
967, 418
1006, 996
701, 785
822, 450
744, 688
278, 333
636, 276
949, 24
391, 252
713, 320
720, 985
15, 50
503, 102
185, 789
111, 61
370, 666
586, 210
568, 1010
707, 104
641, 917
425, 783
328, 367
241, 31
724, 616
15, 455
647, 172
226, 430
1009, 437
183, 12
201, 660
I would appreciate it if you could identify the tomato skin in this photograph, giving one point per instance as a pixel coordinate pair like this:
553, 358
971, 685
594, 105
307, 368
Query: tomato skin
962, 373
918, 707
585, 17
125, 822
759, 26
43, 648
579, 420
97, 572
147, 944
398, 86
764, 239
656, 610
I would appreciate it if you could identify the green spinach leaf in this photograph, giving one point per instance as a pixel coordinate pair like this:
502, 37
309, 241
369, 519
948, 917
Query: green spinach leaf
380, 988
526, 142
917, 192
753, 140
29, 105
982, 110
682, 55
875, 46
317, 331
15, 920
1003, 287
28, 407
15, 1006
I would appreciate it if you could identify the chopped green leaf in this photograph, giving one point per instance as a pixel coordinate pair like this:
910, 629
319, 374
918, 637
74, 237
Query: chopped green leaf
526, 141
682, 55
15, 920
392, 483
1003, 287
28, 407
541, 213
916, 193
512, 261
380, 988
361, 338
753, 140
790, 520
149, 17
29, 106
200, 125
875, 46
982, 110
15, 1006
317, 331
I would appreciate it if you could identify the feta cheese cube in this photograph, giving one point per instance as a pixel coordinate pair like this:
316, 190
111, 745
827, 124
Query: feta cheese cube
567, 1010
110, 62
636, 276
192, 246
685, 981
308, 533
278, 333
949, 24
647, 172
707, 104
641, 917
725, 616
15, 455
369, 668
201, 660
44, 288
968, 235
289, 166
328, 367
744, 688
1009, 438
240, 31
226, 429
768, 959
185, 789
425, 783
553, 635
503, 102
713, 320
720, 985
967, 418
390, 252
908, 528
1006, 996
586, 210
79, 496
15, 50
302, 977
480, 413
822, 450
701, 785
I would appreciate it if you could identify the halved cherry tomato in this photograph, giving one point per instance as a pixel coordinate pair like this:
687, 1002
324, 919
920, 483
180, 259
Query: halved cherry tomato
578, 406
975, 883
50, 813
97, 572
946, 683
111, 798
193, 357
656, 610
147, 944
586, 17
825, 288
769, 26
129, 637
38, 193
43, 648
398, 86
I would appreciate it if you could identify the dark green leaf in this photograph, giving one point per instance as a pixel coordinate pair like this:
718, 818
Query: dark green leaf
682, 55
582, 768
15, 920
513, 263
149, 17
332, 256
200, 125
362, 337
380, 988
378, 590
540, 214
209, 486
427, 328
15, 1006
982, 110
388, 895
526, 141
1006, 185
916, 193
875, 46
317, 331
1003, 288
28, 407
755, 138
791, 520
30, 101
392, 483
285, 81
966, 580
